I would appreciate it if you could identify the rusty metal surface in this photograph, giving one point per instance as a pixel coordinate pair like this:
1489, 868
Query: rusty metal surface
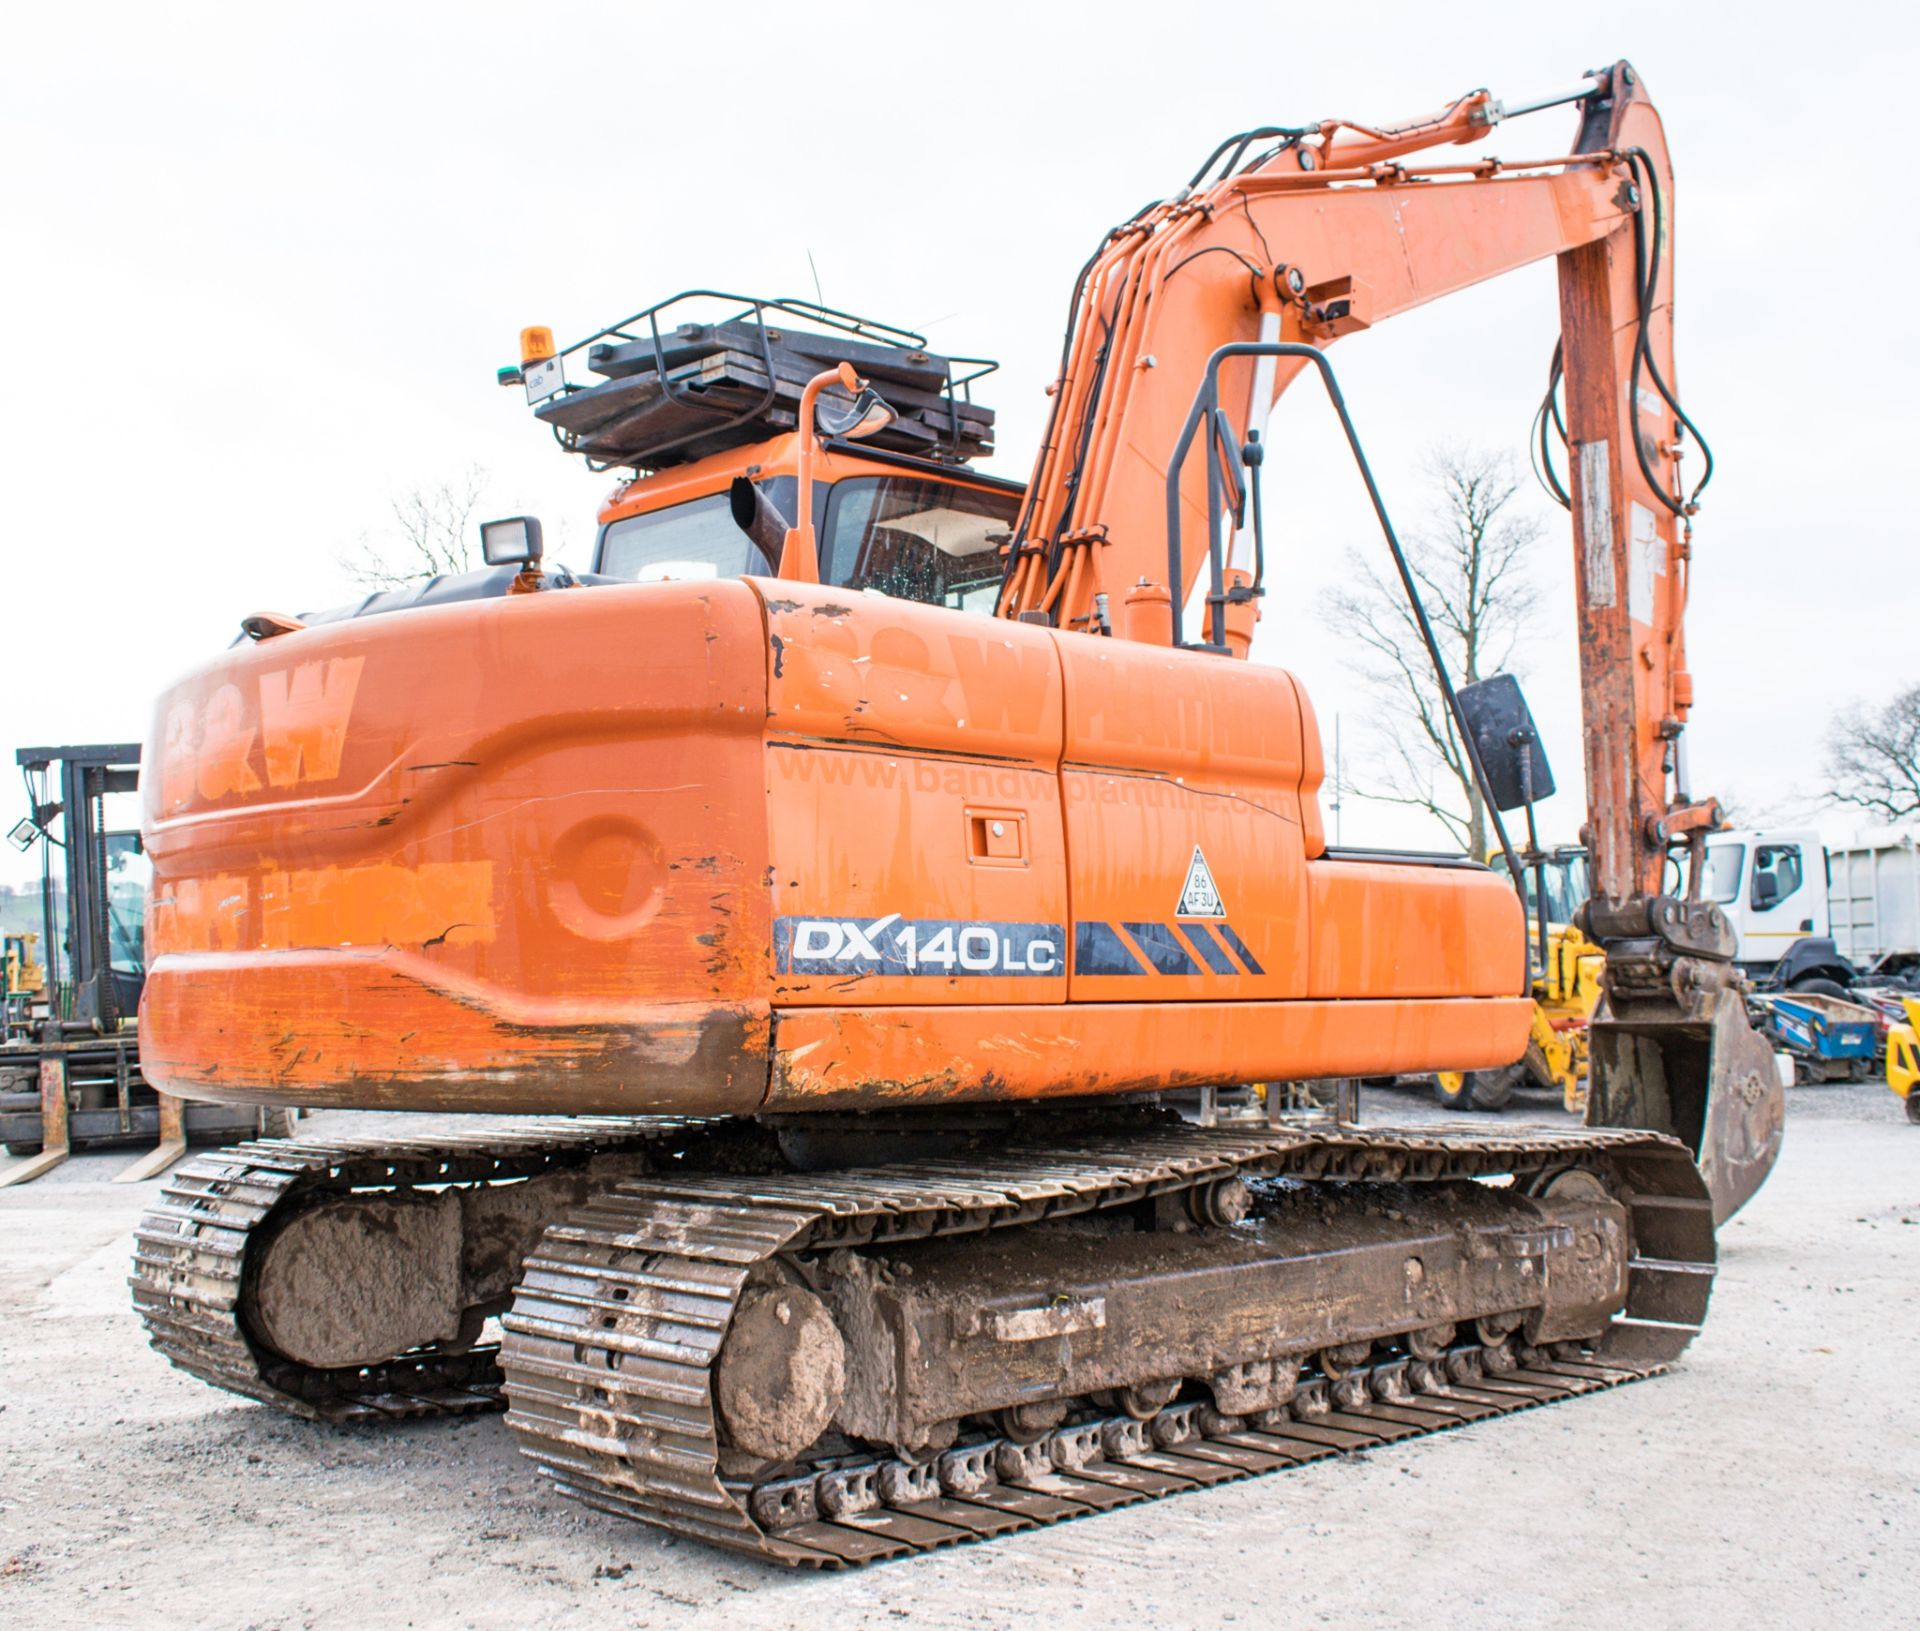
613, 1340
963, 1326
55, 1142
1698, 1072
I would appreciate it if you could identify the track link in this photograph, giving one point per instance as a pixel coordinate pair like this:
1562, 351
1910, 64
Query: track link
623, 1307
191, 1256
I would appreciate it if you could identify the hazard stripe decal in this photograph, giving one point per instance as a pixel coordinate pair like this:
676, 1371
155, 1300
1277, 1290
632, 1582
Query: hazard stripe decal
1160, 948
1240, 949
1098, 949
1211, 951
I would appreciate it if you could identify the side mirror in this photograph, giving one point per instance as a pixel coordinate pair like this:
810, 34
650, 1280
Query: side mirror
512, 542
1766, 891
1502, 728
868, 416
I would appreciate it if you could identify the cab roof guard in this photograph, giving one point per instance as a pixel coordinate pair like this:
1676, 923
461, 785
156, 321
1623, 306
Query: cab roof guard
706, 370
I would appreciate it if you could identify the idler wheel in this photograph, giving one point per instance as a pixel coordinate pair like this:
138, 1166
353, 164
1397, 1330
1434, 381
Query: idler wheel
782, 1372
1220, 1204
357, 1280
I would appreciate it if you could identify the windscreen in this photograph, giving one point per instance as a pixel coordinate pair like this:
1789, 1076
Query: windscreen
1723, 871
917, 539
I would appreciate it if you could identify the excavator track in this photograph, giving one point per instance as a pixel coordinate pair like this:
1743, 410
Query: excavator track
613, 1339
191, 1256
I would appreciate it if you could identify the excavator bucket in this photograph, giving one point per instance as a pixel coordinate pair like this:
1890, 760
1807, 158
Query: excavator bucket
1702, 1075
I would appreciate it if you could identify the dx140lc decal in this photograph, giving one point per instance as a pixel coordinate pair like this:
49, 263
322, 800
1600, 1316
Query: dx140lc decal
852, 946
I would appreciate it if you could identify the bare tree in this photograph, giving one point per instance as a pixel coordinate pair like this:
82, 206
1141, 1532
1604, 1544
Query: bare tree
1873, 757
1470, 563
431, 533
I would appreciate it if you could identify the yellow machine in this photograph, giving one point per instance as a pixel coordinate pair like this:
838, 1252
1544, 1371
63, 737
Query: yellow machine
1903, 1058
21, 975
1566, 989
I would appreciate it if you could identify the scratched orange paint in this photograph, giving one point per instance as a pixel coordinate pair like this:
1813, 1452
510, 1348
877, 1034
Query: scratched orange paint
281, 910
561, 890
699, 845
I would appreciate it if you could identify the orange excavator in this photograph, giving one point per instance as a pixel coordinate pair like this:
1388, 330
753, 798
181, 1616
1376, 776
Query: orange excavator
826, 889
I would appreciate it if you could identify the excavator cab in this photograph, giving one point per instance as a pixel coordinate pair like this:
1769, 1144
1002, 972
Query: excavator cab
921, 534
704, 390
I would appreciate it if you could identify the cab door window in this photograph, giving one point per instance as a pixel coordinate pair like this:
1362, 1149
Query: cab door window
1777, 872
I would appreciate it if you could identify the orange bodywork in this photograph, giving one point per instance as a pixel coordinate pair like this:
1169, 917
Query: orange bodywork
764, 843
725, 845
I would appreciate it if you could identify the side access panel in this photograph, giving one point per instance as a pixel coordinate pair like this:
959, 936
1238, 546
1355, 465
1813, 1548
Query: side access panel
913, 804
1185, 779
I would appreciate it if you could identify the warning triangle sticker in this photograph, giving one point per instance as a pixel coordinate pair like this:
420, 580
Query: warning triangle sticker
1199, 897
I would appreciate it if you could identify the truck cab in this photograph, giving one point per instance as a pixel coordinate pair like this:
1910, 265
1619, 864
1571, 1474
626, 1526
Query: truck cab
1772, 884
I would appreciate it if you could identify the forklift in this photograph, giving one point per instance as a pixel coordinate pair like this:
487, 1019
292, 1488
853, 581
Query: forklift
69, 1041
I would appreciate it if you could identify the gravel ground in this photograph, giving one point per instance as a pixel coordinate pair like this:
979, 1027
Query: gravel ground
1771, 1480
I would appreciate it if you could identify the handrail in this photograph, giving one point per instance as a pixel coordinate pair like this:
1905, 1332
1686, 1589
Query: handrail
1206, 404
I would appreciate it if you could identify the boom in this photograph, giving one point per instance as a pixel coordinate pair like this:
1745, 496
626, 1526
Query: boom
1326, 232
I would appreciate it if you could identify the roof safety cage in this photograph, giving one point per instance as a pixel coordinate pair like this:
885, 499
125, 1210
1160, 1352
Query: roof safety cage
671, 393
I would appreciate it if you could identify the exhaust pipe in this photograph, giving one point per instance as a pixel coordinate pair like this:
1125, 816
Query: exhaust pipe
759, 518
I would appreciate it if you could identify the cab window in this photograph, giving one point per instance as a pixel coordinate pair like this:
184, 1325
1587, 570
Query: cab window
930, 541
697, 539
1723, 871
1566, 887
1566, 879
1777, 872
128, 875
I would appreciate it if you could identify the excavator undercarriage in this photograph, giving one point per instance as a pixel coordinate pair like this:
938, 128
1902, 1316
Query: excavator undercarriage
828, 1368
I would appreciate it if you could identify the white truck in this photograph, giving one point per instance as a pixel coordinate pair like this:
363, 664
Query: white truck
1787, 891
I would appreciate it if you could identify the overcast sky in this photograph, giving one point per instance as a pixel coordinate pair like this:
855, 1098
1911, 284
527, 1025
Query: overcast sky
261, 263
